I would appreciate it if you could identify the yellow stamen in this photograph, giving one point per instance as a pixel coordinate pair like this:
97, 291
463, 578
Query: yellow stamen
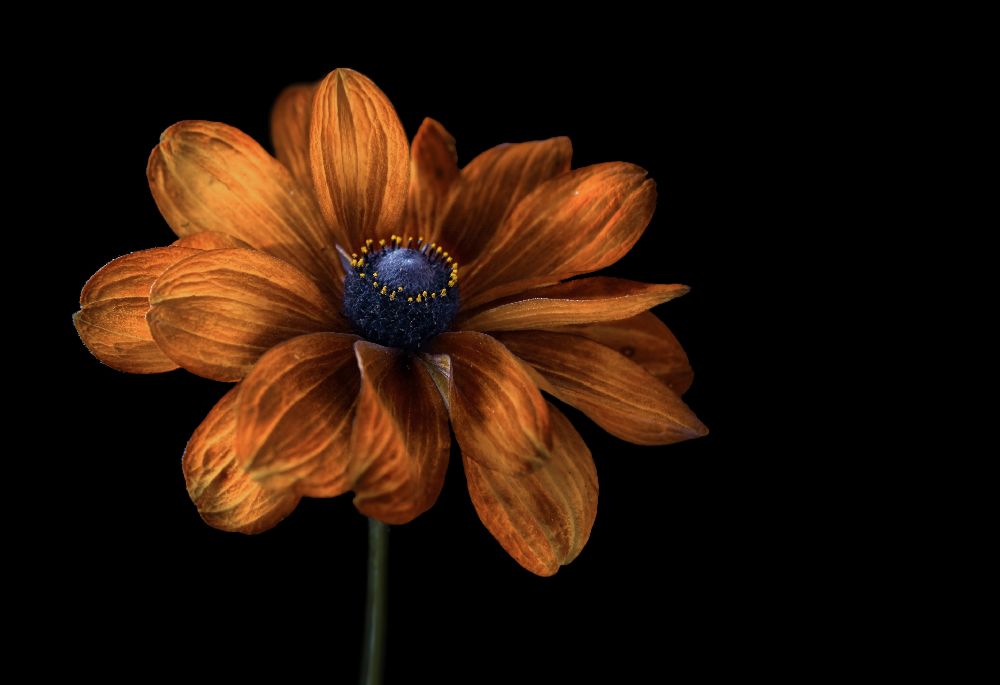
409, 299
362, 274
392, 295
382, 291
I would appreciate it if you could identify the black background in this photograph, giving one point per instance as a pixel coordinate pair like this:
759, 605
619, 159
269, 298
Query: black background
671, 578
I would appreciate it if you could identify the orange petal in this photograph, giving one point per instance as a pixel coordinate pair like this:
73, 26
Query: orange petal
618, 394
207, 176
497, 413
290, 130
226, 497
400, 439
544, 518
645, 340
491, 186
216, 312
573, 224
113, 305
360, 158
433, 168
210, 240
294, 418
575, 302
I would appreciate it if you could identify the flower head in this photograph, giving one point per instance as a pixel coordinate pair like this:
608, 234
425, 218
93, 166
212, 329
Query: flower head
326, 283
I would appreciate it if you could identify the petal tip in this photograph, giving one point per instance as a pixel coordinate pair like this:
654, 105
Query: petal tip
698, 430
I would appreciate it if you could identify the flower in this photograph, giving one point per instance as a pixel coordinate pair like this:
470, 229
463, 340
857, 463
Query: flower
326, 283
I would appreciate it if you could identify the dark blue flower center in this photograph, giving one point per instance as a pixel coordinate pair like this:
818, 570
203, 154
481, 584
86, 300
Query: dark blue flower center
401, 293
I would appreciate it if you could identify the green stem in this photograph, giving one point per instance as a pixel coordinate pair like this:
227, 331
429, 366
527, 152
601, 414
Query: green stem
373, 659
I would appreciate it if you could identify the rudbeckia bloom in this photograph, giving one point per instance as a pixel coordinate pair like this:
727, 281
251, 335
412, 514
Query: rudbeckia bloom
362, 291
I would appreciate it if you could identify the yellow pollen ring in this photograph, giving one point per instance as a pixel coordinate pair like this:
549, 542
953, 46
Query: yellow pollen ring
432, 250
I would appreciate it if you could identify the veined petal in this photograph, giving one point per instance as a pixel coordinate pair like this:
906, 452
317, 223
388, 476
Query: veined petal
216, 312
113, 305
575, 223
497, 413
210, 240
360, 158
575, 302
491, 186
226, 497
433, 168
400, 439
294, 417
290, 130
646, 341
544, 518
207, 176
618, 394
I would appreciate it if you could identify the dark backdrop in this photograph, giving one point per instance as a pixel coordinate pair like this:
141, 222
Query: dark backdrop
669, 577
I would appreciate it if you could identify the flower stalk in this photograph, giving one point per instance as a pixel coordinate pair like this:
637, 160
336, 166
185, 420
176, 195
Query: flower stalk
373, 655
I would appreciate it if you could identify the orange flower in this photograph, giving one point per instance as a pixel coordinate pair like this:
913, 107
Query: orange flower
327, 283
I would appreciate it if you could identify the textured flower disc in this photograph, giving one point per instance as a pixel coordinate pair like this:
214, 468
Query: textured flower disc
401, 293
